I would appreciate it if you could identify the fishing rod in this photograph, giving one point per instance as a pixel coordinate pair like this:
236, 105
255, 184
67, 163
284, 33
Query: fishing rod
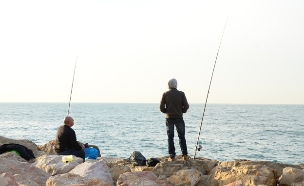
72, 87
198, 147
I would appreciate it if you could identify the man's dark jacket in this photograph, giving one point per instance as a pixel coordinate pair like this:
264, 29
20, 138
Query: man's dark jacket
174, 103
66, 139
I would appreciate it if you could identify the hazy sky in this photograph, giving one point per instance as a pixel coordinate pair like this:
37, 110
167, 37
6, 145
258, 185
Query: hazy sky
128, 50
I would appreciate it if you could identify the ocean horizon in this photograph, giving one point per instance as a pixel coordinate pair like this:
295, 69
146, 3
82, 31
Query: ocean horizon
268, 132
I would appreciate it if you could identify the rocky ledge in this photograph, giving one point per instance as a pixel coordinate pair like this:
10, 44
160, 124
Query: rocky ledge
48, 169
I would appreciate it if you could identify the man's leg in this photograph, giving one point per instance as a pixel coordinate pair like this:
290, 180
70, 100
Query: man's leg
180, 127
170, 133
77, 153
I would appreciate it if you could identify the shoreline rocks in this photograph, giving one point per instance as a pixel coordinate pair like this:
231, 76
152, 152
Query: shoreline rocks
48, 169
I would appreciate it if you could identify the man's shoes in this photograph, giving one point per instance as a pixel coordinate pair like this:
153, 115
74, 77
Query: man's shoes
170, 159
185, 157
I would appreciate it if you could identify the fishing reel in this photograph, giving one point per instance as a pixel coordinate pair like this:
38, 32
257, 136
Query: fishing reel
199, 147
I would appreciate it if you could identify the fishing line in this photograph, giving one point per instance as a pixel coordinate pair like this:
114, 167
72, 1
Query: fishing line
198, 147
72, 87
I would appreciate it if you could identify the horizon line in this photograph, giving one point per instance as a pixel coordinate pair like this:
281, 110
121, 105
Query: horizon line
153, 103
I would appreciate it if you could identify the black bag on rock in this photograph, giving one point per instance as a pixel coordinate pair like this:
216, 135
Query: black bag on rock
152, 162
24, 152
137, 159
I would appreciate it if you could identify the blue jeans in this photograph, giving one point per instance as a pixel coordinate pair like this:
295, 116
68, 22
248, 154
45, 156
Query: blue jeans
180, 128
77, 153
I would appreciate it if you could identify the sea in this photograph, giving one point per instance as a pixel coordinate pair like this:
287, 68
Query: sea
225, 132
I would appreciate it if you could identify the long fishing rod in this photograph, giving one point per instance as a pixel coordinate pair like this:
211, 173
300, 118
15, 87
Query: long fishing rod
72, 87
196, 147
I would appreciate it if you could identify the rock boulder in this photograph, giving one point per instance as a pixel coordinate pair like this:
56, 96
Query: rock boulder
53, 164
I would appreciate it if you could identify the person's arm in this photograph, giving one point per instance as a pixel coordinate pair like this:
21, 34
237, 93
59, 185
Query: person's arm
185, 103
74, 142
162, 105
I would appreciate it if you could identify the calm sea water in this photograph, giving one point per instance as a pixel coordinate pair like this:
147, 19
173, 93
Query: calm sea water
253, 132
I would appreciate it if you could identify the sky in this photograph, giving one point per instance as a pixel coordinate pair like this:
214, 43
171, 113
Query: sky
127, 51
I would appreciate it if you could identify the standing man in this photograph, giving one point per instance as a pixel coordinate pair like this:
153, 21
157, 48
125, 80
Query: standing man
66, 142
174, 104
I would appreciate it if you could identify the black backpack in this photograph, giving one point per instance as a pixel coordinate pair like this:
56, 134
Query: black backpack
151, 162
137, 159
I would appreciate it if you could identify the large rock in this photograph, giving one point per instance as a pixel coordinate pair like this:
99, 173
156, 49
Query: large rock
276, 166
26, 180
53, 164
204, 165
94, 169
166, 169
28, 144
237, 183
24, 173
11, 155
224, 166
48, 147
118, 167
141, 168
116, 171
205, 180
140, 179
73, 179
292, 177
251, 175
185, 177
112, 162
8, 179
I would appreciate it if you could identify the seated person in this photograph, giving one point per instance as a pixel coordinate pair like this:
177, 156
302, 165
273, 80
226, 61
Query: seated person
66, 143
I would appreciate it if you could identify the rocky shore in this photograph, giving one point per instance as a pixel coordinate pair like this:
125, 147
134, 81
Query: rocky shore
48, 169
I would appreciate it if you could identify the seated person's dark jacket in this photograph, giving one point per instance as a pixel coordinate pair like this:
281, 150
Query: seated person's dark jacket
66, 139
